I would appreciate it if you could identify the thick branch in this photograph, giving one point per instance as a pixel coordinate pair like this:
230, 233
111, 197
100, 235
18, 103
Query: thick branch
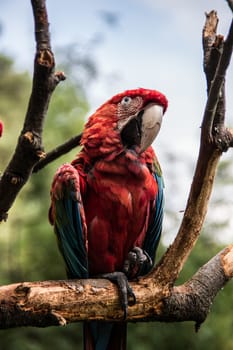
209, 155
29, 148
50, 303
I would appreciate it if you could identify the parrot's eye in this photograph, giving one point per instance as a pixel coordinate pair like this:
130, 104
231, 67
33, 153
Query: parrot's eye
126, 101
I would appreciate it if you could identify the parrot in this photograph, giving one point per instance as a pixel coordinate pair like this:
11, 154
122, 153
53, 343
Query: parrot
107, 204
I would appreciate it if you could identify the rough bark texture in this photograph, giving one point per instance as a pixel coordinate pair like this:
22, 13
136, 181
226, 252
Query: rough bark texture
50, 303
29, 149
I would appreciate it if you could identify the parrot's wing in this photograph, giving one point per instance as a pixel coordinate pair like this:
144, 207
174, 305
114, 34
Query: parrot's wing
153, 233
69, 221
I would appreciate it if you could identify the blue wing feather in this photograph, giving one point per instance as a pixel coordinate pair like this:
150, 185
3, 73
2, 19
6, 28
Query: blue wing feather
69, 231
153, 233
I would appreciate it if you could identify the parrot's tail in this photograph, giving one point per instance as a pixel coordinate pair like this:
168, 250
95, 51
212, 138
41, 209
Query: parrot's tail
104, 335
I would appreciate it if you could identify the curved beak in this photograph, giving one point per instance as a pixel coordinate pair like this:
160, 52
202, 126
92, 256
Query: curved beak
151, 123
141, 129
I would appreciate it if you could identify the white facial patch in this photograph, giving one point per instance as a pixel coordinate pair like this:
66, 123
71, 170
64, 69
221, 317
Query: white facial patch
151, 123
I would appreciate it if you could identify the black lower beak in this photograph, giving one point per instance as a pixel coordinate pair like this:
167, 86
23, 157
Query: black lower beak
131, 133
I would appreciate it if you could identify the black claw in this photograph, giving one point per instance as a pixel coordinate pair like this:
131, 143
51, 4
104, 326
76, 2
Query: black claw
136, 261
131, 296
127, 296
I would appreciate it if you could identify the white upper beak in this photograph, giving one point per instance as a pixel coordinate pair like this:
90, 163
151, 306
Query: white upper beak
151, 123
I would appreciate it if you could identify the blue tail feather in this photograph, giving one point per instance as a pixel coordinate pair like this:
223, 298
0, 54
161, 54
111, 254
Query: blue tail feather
100, 335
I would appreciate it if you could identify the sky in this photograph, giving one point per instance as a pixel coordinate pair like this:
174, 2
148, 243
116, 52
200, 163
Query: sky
152, 44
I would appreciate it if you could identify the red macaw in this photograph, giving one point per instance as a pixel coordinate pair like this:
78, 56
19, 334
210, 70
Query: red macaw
107, 205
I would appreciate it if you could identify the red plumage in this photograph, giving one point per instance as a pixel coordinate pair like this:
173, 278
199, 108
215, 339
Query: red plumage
119, 191
117, 197
115, 186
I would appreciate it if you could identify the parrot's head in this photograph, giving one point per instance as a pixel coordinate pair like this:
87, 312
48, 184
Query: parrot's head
131, 119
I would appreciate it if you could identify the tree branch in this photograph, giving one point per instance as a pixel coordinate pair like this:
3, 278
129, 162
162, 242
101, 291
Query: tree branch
57, 152
29, 148
208, 158
49, 303
216, 86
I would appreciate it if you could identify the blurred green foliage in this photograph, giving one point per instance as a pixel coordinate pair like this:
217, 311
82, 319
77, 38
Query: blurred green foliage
28, 247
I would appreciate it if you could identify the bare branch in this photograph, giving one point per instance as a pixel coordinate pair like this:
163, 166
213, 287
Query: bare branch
209, 38
214, 92
50, 303
199, 292
214, 46
29, 148
58, 152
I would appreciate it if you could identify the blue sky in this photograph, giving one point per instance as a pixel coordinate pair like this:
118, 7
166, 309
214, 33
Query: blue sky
155, 44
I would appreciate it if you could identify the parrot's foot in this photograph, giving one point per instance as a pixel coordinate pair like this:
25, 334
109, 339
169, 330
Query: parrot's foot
127, 296
137, 260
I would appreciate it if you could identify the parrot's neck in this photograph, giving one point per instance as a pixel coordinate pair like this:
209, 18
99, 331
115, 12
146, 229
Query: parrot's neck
120, 162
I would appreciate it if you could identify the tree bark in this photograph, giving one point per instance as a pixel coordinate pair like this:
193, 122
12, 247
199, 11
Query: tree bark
29, 149
51, 303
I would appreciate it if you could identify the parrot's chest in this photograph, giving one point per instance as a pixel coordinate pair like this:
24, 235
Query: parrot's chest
117, 208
